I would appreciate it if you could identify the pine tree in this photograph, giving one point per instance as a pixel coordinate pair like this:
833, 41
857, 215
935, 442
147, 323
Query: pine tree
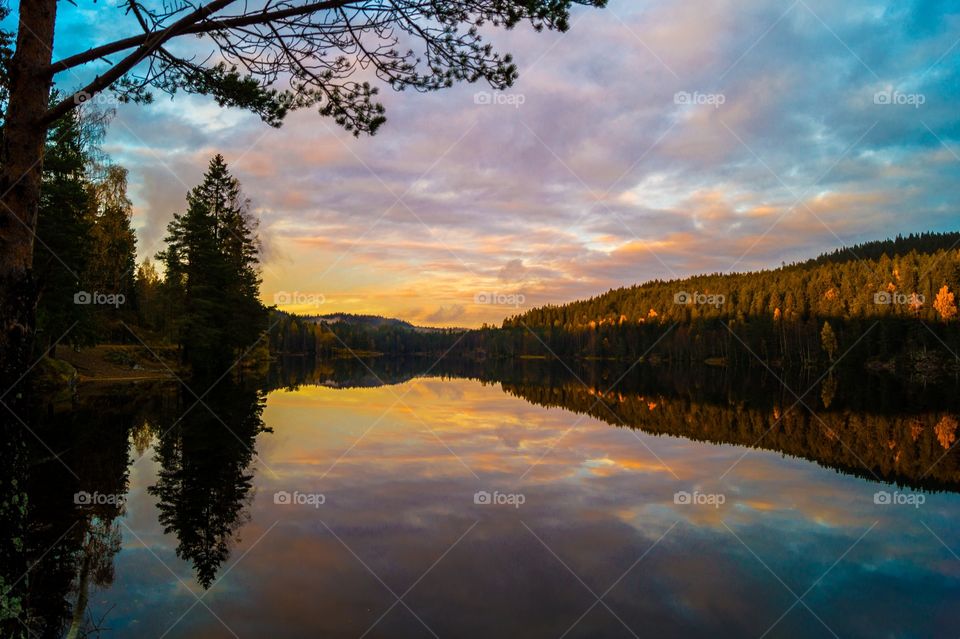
211, 260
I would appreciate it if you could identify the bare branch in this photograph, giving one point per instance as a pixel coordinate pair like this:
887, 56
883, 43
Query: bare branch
258, 17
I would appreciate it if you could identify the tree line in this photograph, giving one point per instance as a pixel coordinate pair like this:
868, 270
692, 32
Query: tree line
890, 301
888, 304
85, 264
205, 301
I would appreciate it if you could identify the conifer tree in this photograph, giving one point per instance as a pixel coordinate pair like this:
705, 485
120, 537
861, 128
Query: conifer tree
212, 262
64, 224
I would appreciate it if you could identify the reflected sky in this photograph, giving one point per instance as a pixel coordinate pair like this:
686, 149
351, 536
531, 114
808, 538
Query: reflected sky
599, 546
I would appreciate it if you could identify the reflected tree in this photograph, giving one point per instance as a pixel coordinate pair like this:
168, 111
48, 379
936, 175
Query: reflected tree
13, 511
885, 429
203, 489
75, 482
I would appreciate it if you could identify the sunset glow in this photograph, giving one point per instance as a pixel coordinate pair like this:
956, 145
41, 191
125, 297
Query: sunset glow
596, 170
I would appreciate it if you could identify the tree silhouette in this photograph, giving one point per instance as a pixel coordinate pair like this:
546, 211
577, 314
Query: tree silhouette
212, 257
61, 261
69, 544
204, 485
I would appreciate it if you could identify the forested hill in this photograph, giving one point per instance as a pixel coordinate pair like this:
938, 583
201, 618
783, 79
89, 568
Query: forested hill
913, 276
891, 308
900, 245
368, 321
325, 336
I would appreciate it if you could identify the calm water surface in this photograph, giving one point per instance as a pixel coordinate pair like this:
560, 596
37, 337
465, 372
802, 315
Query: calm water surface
452, 507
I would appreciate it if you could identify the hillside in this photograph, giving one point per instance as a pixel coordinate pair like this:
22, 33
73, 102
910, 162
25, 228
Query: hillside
370, 322
883, 279
887, 305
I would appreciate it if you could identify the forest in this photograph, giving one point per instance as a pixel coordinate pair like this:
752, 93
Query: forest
887, 304
205, 305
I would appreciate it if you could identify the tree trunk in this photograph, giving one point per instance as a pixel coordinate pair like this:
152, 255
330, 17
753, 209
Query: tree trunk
21, 158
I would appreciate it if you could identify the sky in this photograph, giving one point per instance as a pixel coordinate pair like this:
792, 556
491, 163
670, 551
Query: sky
654, 139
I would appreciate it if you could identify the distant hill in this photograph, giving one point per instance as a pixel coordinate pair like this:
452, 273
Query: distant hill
347, 334
369, 321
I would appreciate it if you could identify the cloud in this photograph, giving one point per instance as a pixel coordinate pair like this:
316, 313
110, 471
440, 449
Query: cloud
446, 314
601, 177
513, 271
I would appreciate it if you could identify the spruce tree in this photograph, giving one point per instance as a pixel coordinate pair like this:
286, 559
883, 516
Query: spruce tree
212, 262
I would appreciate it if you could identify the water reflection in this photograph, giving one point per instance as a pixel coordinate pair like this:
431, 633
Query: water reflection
200, 544
878, 428
76, 479
203, 486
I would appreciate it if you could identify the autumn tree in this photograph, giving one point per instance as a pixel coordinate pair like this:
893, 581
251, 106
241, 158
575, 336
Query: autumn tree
147, 284
113, 255
944, 304
828, 340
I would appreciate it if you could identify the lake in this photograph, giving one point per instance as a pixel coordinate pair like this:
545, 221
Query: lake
409, 499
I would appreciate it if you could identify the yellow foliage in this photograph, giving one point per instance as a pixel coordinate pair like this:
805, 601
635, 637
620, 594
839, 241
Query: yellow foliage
945, 304
946, 430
